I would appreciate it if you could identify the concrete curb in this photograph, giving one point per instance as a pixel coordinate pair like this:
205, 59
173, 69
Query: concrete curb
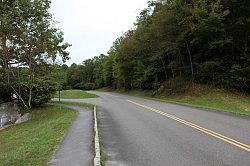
97, 159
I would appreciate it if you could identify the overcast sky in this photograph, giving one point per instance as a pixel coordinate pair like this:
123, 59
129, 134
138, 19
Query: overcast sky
91, 26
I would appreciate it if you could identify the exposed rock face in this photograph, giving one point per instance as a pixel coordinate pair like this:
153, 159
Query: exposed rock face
9, 112
26, 117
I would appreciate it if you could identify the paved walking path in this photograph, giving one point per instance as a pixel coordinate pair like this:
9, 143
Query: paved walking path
77, 147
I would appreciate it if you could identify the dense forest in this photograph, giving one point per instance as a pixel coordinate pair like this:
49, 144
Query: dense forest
175, 43
29, 44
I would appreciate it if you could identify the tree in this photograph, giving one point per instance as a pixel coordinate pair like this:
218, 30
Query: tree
174, 43
29, 41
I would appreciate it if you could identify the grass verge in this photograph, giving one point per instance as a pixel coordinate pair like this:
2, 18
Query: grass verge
34, 142
203, 97
75, 94
73, 103
103, 156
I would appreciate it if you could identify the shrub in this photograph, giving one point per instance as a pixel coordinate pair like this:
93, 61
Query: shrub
42, 92
173, 86
89, 86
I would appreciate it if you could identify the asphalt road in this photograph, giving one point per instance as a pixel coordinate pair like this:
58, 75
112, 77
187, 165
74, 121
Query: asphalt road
136, 131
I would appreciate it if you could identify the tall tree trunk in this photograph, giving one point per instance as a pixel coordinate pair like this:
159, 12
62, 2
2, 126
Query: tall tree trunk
20, 97
32, 81
172, 71
6, 62
19, 82
179, 61
190, 60
5, 58
164, 67
31, 89
246, 45
30, 97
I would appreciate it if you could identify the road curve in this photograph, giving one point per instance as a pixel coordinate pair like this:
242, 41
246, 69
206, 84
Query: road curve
136, 131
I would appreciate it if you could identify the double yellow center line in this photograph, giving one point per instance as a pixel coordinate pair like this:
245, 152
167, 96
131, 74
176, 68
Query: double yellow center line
195, 126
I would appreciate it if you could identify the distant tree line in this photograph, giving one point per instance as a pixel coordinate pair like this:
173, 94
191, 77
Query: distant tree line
29, 43
174, 41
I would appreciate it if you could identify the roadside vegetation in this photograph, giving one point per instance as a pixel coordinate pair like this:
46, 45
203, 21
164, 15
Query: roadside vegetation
202, 97
191, 52
75, 94
181, 41
34, 142
104, 157
81, 104
174, 44
30, 44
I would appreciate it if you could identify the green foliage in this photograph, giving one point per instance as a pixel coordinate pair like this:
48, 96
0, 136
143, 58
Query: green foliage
202, 96
175, 86
28, 43
89, 86
42, 92
58, 75
200, 41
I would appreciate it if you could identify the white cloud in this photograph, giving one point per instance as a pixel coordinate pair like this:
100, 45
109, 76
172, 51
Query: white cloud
92, 26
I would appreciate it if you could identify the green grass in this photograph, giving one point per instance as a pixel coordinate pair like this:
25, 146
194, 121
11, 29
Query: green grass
103, 158
75, 94
74, 103
204, 97
34, 142
214, 101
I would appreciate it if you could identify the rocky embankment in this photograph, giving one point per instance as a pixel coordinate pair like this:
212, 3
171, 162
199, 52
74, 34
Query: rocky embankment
10, 114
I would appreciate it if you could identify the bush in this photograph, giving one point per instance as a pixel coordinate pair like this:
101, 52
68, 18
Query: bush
207, 72
42, 92
89, 86
174, 86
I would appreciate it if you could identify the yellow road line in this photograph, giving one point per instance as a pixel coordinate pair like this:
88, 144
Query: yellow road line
195, 126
